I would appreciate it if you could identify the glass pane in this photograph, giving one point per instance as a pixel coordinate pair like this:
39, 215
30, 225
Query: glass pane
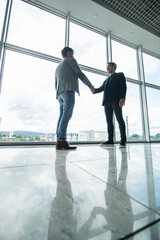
2, 7
88, 117
126, 59
151, 69
29, 110
35, 29
89, 47
132, 119
27, 100
153, 99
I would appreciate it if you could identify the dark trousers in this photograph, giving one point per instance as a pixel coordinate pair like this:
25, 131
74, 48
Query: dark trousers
109, 108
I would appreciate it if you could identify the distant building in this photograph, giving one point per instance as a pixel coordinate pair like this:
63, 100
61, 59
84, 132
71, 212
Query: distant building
49, 137
92, 135
72, 137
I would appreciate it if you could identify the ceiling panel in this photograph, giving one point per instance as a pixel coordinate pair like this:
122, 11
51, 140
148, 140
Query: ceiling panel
145, 14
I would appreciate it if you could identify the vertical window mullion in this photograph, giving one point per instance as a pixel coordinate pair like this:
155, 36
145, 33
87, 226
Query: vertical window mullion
67, 30
109, 48
143, 96
4, 36
109, 59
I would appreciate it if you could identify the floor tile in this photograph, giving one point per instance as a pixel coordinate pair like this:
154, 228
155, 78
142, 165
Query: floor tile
25, 156
69, 195
136, 166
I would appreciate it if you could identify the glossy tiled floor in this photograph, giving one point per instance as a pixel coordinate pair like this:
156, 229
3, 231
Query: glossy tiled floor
97, 193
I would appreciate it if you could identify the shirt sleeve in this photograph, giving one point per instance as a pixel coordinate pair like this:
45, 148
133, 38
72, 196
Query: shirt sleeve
55, 81
123, 86
76, 69
100, 89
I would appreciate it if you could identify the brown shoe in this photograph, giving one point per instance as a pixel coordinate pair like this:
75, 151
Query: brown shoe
64, 145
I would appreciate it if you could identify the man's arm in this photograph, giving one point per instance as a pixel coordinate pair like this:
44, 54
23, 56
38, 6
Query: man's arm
84, 79
123, 89
123, 86
76, 69
55, 82
100, 89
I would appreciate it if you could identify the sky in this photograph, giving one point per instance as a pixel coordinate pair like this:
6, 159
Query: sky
27, 100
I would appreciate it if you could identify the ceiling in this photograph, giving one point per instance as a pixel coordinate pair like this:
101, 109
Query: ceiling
107, 16
145, 14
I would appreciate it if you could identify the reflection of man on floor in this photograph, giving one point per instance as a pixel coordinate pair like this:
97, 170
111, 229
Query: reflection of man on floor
62, 222
118, 212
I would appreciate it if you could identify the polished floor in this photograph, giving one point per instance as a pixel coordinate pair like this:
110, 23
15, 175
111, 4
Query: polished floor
94, 192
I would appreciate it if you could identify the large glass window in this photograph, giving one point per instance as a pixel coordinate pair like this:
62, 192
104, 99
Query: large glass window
153, 99
27, 100
132, 114
2, 7
35, 29
126, 59
90, 47
88, 117
151, 69
29, 110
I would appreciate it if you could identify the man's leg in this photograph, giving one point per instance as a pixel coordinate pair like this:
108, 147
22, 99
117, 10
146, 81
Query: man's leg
119, 117
60, 116
67, 101
109, 118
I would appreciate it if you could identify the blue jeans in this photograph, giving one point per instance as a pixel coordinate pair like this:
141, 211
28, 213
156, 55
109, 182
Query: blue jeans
66, 100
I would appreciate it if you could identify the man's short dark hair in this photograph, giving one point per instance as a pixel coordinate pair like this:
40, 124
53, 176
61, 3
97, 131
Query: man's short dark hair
65, 50
113, 64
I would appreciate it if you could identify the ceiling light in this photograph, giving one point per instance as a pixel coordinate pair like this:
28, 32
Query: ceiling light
94, 15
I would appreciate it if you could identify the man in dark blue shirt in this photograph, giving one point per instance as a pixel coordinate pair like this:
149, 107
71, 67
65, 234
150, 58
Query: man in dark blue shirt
114, 88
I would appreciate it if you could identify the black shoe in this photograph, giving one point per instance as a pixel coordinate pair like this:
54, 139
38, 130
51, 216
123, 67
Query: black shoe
122, 144
108, 143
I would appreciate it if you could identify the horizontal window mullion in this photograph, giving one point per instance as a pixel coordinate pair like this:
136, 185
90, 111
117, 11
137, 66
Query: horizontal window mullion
32, 53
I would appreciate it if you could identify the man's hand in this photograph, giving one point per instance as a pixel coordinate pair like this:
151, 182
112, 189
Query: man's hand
92, 89
121, 102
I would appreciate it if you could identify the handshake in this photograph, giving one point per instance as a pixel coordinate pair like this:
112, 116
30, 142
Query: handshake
92, 89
